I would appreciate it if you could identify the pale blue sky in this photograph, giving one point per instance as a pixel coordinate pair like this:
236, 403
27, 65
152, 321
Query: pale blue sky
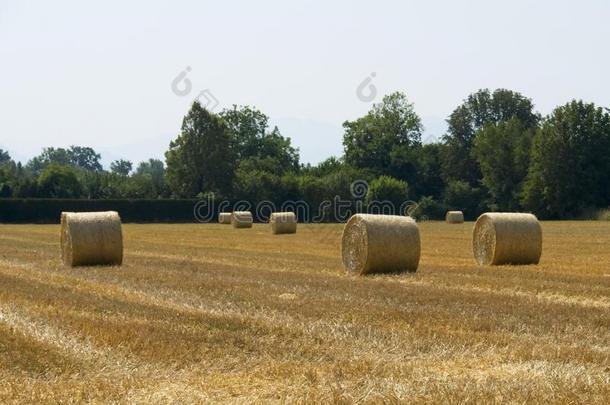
99, 73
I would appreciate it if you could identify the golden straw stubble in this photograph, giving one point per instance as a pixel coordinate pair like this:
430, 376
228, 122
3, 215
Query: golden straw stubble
283, 222
91, 238
380, 244
507, 238
242, 219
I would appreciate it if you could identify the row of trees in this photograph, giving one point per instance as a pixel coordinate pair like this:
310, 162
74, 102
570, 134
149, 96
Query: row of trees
76, 172
498, 154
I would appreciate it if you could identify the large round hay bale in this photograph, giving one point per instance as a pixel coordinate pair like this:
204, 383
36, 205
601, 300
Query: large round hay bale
380, 244
242, 219
224, 218
283, 222
454, 217
91, 238
507, 238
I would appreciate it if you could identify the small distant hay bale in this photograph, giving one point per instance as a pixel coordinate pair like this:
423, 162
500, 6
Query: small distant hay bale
224, 218
91, 238
288, 297
283, 222
454, 217
380, 244
242, 219
507, 238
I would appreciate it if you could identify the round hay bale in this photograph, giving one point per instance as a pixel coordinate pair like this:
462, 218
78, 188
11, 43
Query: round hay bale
454, 217
507, 238
224, 218
380, 244
91, 238
242, 219
283, 222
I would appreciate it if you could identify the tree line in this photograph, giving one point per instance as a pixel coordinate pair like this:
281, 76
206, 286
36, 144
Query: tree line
498, 154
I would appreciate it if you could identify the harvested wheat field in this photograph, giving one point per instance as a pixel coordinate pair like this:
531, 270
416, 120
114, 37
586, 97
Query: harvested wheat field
208, 313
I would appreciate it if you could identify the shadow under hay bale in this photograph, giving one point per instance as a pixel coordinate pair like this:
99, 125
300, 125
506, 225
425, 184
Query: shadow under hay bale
224, 218
380, 244
507, 238
91, 239
242, 219
283, 222
454, 217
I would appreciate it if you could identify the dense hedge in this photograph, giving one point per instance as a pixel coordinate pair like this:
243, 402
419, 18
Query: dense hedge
47, 211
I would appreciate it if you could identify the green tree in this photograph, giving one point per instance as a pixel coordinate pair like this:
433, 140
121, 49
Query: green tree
26, 187
429, 180
7, 181
151, 177
502, 151
202, 158
570, 162
7, 174
85, 158
92, 183
460, 195
280, 149
479, 109
429, 209
386, 188
255, 184
57, 156
121, 167
324, 168
77, 156
248, 126
249, 129
4, 157
59, 182
385, 140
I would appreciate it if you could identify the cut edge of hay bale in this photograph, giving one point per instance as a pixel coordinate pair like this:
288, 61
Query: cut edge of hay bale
507, 238
380, 244
91, 238
283, 223
454, 217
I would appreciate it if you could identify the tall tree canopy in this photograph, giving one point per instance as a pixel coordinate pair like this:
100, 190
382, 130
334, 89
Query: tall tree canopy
58, 156
4, 156
248, 126
385, 138
570, 162
480, 109
202, 158
502, 151
151, 175
59, 182
121, 167
77, 156
85, 158
253, 141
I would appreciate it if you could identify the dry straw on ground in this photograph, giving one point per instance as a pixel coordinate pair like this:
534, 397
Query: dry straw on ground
380, 244
507, 238
242, 219
199, 317
224, 218
283, 222
91, 238
454, 217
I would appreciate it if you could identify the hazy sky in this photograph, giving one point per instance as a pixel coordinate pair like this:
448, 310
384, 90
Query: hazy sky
100, 74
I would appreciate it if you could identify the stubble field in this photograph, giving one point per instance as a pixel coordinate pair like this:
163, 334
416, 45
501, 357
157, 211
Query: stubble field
207, 313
